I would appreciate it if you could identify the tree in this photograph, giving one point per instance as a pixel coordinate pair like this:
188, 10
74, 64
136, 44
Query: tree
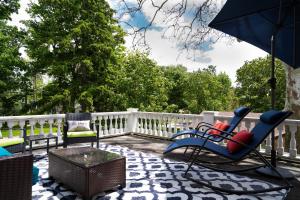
183, 20
12, 66
143, 84
253, 88
75, 43
177, 78
7, 7
207, 90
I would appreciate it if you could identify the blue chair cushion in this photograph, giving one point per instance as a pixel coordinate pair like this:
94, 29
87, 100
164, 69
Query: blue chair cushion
35, 175
241, 111
272, 116
4, 152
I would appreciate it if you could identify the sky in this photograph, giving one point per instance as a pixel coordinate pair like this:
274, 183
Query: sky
227, 57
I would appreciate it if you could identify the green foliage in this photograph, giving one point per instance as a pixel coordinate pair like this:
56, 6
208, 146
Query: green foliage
142, 84
75, 43
207, 90
12, 66
7, 7
253, 88
177, 78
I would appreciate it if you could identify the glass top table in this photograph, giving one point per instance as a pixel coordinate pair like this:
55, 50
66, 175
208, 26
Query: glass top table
86, 156
87, 170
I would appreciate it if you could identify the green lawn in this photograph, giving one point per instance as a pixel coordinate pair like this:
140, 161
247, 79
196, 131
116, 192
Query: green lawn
16, 132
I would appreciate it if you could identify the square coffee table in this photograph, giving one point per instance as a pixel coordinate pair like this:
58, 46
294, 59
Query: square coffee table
87, 170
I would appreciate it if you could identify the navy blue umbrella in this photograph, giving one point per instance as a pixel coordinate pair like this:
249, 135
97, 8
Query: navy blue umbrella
271, 25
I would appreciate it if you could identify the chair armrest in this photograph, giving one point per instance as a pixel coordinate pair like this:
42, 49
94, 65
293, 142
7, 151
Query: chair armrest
213, 128
200, 124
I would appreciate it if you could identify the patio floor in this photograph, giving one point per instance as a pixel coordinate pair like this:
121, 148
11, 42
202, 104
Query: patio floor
157, 146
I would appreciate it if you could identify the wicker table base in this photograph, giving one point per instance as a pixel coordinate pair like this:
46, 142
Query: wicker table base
87, 170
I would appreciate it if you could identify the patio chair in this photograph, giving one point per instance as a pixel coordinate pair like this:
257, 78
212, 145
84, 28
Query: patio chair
14, 144
267, 123
239, 115
81, 133
16, 176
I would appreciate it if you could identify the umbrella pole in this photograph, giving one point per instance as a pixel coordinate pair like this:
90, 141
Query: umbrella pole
267, 170
273, 88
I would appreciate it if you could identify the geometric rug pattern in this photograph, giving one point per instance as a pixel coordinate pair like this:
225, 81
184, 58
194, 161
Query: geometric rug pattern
150, 177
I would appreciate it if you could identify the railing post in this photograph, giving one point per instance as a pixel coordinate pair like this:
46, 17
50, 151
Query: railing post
132, 120
21, 124
10, 125
41, 122
293, 144
208, 117
50, 121
59, 121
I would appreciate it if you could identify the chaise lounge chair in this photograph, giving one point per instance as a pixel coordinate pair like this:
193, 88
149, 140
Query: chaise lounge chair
267, 123
239, 114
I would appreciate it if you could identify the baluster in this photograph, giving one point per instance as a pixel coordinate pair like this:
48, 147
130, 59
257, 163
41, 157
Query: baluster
293, 144
146, 125
122, 119
125, 124
175, 124
50, 121
22, 124
94, 123
0, 130
151, 125
110, 125
247, 125
32, 123
155, 125
159, 126
105, 125
10, 125
280, 148
163, 126
59, 121
142, 124
116, 124
100, 125
170, 119
41, 122
268, 144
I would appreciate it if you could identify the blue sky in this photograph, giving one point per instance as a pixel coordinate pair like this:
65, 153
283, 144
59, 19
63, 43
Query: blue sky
228, 57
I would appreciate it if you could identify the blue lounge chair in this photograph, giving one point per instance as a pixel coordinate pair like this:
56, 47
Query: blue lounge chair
239, 114
267, 123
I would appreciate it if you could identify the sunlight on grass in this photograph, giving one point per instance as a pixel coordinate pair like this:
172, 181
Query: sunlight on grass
16, 132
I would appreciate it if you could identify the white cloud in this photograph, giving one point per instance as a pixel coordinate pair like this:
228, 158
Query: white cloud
228, 57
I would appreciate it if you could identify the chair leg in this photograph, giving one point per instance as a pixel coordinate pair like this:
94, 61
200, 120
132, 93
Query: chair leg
193, 161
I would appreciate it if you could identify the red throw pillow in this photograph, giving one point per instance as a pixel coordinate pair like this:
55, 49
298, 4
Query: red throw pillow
243, 137
219, 125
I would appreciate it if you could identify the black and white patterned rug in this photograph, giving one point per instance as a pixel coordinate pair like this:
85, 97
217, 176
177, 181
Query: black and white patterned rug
150, 177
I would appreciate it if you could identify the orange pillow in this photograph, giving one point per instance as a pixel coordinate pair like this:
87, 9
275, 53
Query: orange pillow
243, 137
219, 125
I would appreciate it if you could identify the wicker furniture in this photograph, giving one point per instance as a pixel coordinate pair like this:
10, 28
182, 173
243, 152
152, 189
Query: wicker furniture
73, 140
87, 170
33, 138
16, 177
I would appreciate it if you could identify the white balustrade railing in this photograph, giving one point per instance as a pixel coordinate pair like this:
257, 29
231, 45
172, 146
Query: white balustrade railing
152, 124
